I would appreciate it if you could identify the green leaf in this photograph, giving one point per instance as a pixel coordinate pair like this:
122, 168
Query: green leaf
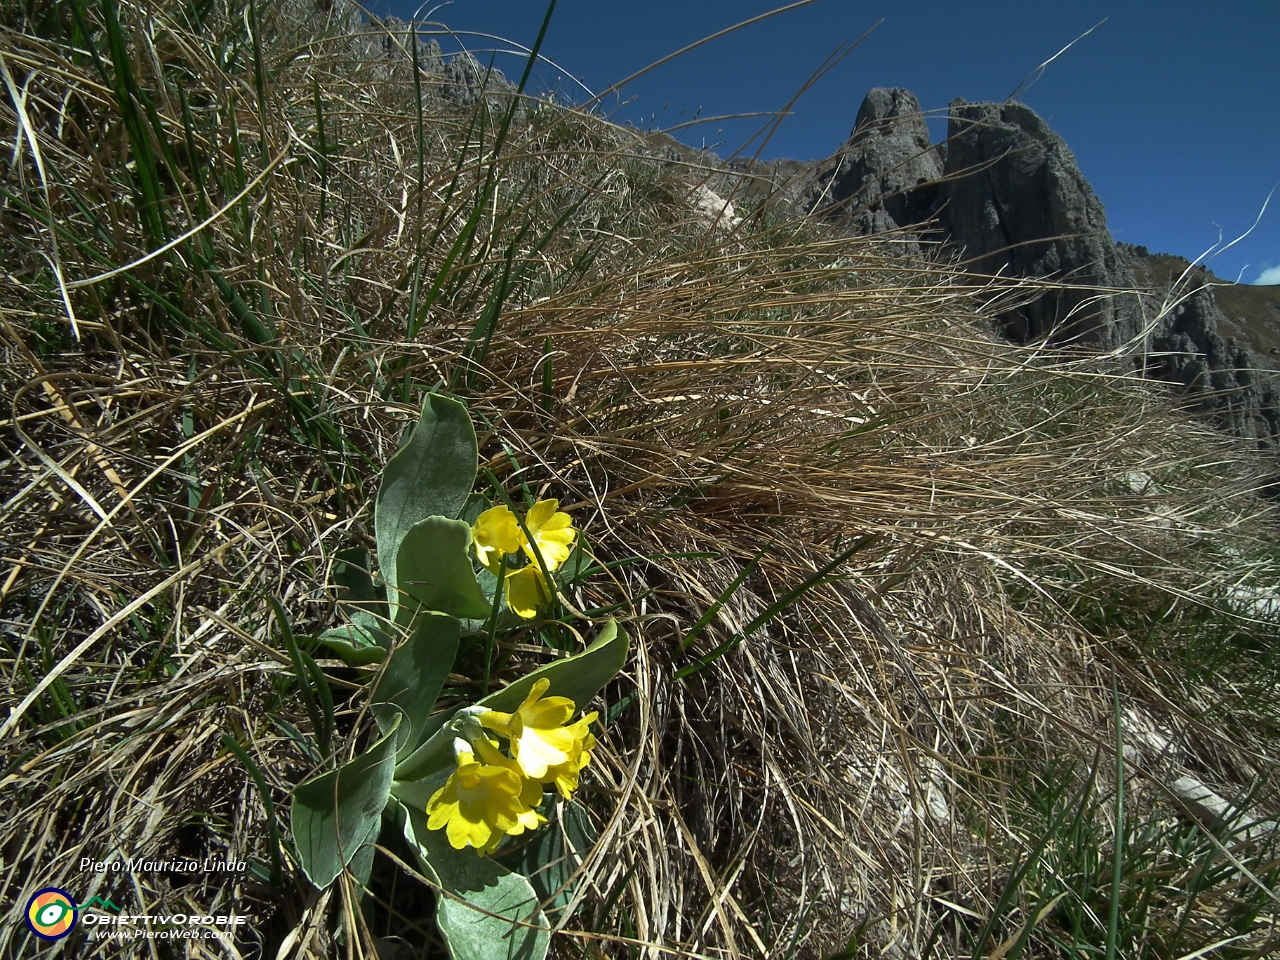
335, 815
579, 677
362, 866
363, 601
433, 756
414, 677
431, 475
486, 912
434, 568
476, 504
550, 857
351, 572
575, 566
357, 644
470, 929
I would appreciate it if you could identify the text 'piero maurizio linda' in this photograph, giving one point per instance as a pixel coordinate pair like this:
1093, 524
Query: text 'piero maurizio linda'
142, 865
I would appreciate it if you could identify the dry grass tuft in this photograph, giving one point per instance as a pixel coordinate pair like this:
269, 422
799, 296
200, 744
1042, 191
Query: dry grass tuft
236, 257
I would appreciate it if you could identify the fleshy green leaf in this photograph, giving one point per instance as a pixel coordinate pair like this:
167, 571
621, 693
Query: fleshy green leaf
550, 857
351, 573
357, 644
363, 601
486, 912
335, 815
476, 504
414, 677
431, 475
433, 756
579, 677
361, 866
434, 569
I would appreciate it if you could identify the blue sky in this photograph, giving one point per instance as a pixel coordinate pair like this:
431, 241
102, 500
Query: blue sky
1172, 108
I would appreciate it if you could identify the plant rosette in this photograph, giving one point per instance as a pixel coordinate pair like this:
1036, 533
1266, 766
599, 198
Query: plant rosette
457, 783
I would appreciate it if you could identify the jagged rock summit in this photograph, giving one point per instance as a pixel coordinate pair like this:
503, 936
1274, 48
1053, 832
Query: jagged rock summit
1005, 194
1016, 204
1004, 190
887, 175
458, 79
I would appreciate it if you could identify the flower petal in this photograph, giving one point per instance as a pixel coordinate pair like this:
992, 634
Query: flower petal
526, 591
482, 802
552, 533
535, 754
496, 532
565, 775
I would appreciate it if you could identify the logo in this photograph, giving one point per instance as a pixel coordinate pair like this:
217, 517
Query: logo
51, 913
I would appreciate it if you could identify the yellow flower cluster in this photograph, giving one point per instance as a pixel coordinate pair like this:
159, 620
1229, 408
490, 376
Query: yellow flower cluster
491, 795
497, 533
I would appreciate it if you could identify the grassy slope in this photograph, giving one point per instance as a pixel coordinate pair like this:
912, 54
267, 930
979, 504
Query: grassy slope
916, 756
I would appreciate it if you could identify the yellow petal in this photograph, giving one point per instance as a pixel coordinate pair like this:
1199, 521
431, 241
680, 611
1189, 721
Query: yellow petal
529, 820
535, 754
499, 723
565, 778
442, 806
539, 687
463, 833
541, 513
526, 591
531, 793
548, 712
482, 802
539, 745
565, 775
496, 532
552, 532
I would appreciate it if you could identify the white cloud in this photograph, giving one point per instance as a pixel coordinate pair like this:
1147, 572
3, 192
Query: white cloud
1268, 276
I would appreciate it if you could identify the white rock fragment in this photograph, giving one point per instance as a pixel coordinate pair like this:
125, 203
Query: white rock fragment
1139, 483
1215, 812
713, 208
1258, 602
1145, 742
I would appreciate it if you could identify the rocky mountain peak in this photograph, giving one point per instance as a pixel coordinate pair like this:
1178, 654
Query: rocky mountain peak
1015, 203
1005, 195
885, 177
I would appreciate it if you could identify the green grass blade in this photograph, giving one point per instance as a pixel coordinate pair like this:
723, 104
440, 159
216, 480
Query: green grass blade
127, 100
786, 600
1117, 856
696, 630
273, 824
301, 673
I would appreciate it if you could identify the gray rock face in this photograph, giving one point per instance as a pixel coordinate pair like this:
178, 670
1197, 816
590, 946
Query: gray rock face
1219, 376
886, 176
458, 80
1016, 203
464, 80
1008, 194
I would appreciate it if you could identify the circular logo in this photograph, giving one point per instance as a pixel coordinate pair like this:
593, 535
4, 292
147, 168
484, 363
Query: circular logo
51, 913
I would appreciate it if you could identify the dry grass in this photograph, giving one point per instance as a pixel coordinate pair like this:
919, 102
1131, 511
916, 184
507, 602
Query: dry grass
870, 761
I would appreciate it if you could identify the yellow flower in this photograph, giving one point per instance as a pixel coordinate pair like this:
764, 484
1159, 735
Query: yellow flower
483, 801
540, 741
496, 532
552, 533
527, 591
530, 790
565, 775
